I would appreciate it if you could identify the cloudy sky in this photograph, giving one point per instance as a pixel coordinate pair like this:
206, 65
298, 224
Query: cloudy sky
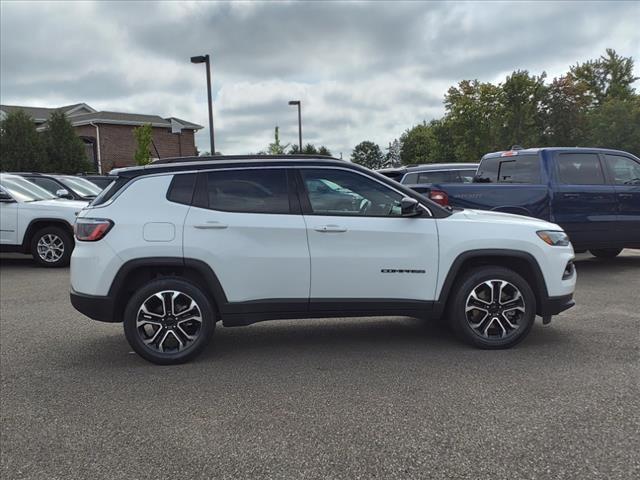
362, 70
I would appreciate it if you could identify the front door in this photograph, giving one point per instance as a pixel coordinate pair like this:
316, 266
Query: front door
584, 204
8, 221
242, 225
361, 247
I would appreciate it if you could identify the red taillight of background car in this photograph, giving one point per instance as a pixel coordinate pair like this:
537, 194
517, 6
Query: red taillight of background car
439, 197
91, 229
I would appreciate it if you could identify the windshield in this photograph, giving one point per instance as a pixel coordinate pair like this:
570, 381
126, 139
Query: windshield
82, 187
23, 190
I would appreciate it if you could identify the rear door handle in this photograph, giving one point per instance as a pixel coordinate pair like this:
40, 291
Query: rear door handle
330, 229
210, 225
571, 195
625, 195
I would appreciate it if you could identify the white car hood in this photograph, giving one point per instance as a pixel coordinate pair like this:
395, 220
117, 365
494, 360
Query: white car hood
499, 217
56, 204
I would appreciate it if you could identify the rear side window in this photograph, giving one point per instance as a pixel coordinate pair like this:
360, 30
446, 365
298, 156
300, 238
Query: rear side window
181, 188
580, 169
624, 170
248, 191
515, 169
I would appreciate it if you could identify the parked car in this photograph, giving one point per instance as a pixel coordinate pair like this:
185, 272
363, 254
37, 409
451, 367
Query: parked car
101, 181
593, 194
64, 186
430, 173
170, 249
35, 221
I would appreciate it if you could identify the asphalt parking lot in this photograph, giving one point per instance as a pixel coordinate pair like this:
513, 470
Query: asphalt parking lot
340, 398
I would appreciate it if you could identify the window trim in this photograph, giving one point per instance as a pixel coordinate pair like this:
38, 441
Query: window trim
306, 203
541, 175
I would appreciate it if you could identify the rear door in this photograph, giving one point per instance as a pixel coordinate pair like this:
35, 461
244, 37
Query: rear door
584, 203
242, 223
624, 173
363, 252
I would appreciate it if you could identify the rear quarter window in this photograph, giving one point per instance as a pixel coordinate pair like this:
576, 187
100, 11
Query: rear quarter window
181, 188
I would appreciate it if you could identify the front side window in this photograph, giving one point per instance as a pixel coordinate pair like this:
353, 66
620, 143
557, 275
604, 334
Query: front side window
248, 191
624, 170
340, 192
515, 169
580, 169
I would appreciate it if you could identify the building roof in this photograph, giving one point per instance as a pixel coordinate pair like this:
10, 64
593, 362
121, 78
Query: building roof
83, 114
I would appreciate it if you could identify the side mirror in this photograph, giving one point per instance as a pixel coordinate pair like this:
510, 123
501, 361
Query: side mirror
5, 197
410, 207
63, 193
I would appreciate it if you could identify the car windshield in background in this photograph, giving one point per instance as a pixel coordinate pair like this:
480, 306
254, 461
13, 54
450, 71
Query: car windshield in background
82, 187
515, 169
23, 190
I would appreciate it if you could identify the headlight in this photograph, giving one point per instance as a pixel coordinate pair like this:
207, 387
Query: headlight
554, 238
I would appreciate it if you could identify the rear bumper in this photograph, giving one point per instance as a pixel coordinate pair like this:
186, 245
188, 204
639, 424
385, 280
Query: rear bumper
556, 305
93, 306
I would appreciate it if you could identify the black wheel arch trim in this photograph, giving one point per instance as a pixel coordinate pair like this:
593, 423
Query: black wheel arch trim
32, 228
540, 288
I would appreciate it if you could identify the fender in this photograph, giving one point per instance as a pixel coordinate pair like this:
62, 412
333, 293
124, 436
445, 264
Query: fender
31, 229
513, 209
539, 289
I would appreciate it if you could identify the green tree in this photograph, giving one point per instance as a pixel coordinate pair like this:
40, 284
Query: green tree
143, 137
309, 149
393, 157
322, 150
66, 152
565, 113
21, 147
610, 76
522, 100
368, 154
616, 124
416, 145
276, 148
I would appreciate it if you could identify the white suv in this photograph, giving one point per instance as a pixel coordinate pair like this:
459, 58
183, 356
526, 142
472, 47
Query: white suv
172, 248
32, 220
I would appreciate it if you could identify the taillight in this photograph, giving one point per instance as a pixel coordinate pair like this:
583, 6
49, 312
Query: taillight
439, 197
91, 229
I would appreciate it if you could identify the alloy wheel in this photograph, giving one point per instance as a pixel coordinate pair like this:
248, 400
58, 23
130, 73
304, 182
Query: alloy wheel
50, 248
169, 321
495, 309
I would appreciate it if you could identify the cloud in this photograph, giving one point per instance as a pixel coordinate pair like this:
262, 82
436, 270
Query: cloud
362, 70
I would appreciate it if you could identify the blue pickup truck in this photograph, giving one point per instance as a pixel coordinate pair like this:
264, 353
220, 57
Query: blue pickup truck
594, 194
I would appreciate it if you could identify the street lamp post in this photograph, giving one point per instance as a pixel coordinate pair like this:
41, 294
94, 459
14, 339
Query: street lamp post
205, 59
299, 104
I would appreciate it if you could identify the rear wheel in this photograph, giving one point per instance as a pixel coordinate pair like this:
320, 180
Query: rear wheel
169, 321
606, 252
51, 247
493, 307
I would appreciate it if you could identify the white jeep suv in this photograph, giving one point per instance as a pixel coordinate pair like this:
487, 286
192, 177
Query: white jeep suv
172, 248
32, 220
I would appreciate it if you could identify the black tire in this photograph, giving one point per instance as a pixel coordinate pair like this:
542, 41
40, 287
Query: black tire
136, 334
54, 236
606, 252
470, 282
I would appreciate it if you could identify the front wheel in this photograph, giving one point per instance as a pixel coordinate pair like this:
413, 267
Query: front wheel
51, 247
492, 307
169, 321
606, 252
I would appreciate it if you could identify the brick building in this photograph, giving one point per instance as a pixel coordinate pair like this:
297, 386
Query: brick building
109, 138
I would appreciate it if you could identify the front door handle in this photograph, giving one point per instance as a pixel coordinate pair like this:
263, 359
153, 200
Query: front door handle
625, 195
571, 195
210, 225
330, 229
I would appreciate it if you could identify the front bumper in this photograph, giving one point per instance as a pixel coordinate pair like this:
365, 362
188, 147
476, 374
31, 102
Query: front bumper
100, 308
555, 305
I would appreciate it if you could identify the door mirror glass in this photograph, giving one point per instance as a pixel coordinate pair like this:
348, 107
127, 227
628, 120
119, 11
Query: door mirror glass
410, 207
5, 197
63, 193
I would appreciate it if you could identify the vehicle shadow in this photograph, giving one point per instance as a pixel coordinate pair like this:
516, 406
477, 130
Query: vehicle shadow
15, 260
586, 263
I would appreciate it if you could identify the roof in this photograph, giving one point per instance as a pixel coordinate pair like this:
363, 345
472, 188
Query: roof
204, 163
441, 166
83, 114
